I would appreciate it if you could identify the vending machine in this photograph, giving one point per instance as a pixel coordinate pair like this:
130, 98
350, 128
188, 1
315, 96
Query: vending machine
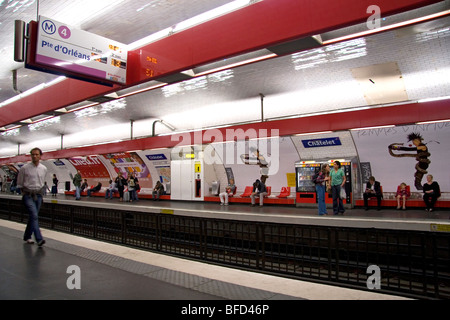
306, 188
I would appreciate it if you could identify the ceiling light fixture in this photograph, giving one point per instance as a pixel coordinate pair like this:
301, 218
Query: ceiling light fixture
369, 128
312, 133
433, 99
389, 27
237, 64
189, 23
211, 14
435, 121
32, 91
143, 90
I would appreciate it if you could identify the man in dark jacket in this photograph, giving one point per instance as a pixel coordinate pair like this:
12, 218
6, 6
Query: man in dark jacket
373, 189
259, 190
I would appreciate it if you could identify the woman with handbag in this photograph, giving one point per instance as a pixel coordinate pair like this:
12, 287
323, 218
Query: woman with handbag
337, 177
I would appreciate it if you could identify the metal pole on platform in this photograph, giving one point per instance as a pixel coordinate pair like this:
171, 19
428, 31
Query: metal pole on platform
131, 128
262, 106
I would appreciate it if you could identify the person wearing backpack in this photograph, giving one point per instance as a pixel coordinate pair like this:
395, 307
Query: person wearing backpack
320, 179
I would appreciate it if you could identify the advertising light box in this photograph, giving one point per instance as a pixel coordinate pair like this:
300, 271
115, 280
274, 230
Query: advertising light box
65, 48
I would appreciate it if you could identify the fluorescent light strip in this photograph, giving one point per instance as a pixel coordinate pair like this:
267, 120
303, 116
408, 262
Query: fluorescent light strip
389, 27
435, 121
210, 15
433, 99
199, 19
12, 128
39, 120
32, 91
237, 64
230, 66
83, 107
368, 128
143, 90
312, 133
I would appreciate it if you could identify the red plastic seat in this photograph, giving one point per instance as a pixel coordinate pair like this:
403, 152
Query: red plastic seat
247, 192
285, 192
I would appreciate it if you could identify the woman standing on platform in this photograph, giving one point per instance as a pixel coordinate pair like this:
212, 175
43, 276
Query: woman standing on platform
54, 186
431, 192
337, 176
321, 181
121, 182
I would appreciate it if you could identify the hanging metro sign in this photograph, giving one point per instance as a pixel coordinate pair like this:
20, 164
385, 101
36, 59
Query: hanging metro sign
63, 48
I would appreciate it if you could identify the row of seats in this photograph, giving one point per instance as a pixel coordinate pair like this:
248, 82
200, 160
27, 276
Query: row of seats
410, 202
283, 198
102, 193
284, 193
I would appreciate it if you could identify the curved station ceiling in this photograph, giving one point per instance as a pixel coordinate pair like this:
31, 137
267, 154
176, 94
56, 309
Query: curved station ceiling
225, 63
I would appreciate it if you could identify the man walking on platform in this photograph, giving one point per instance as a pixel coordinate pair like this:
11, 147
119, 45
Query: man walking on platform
31, 179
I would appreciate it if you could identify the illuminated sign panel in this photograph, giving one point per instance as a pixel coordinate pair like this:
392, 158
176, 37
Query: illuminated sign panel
326, 142
65, 48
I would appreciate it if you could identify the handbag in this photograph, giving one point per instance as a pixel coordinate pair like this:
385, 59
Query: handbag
343, 194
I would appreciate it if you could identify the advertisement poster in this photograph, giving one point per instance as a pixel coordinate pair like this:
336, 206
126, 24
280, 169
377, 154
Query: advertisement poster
162, 166
129, 162
92, 169
406, 154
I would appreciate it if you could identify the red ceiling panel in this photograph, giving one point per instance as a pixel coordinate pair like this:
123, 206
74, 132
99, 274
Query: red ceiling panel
257, 26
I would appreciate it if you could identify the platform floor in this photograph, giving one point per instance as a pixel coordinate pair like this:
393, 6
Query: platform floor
113, 272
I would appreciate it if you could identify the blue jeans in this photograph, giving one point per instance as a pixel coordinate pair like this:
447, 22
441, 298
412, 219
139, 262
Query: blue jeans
338, 203
32, 206
77, 193
320, 190
133, 195
110, 193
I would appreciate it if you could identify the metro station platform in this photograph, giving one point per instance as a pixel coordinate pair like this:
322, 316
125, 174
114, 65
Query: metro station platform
114, 272
111, 271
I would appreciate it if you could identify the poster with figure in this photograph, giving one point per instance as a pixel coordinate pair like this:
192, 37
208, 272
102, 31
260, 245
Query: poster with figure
406, 154
130, 162
419, 152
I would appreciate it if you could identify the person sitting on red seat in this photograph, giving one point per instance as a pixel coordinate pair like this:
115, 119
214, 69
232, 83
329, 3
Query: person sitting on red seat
402, 193
373, 189
431, 192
